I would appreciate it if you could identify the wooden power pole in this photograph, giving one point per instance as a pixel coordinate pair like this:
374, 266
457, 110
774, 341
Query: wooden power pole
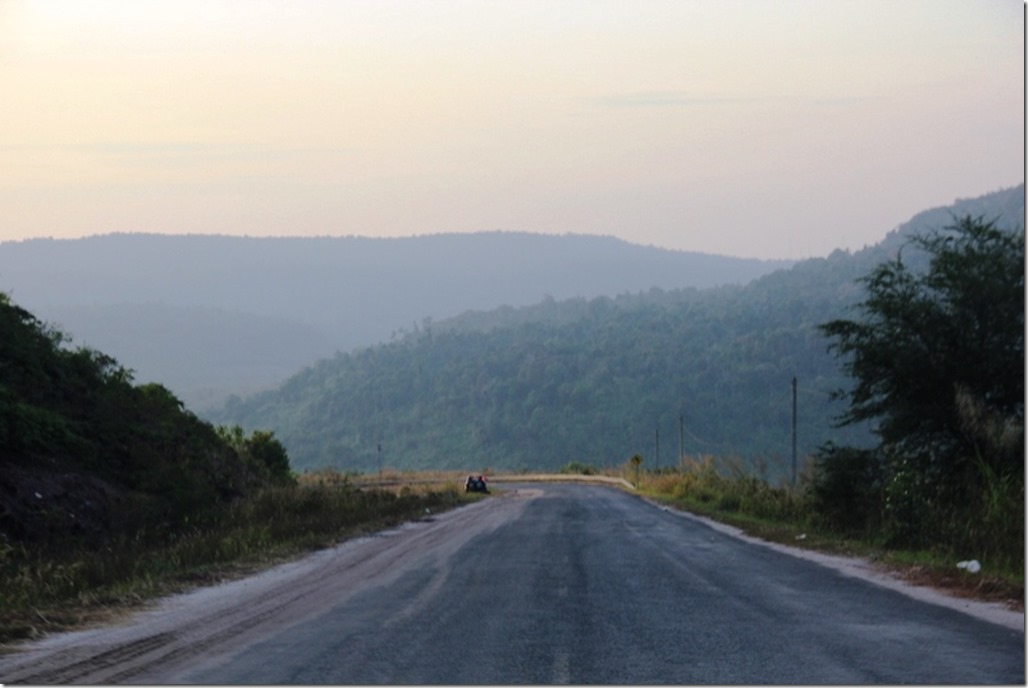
794, 432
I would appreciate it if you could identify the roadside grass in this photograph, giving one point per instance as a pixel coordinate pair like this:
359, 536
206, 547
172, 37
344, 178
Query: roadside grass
396, 480
68, 585
721, 489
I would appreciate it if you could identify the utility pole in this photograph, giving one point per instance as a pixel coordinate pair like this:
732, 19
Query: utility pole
681, 438
794, 431
657, 461
380, 462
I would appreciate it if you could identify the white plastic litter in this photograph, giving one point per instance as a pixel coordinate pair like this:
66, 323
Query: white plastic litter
971, 566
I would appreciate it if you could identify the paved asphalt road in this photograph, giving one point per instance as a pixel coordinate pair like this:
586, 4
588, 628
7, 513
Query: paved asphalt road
591, 585
542, 584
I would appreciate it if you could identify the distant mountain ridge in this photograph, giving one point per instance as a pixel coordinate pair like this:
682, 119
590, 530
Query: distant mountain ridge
212, 315
595, 380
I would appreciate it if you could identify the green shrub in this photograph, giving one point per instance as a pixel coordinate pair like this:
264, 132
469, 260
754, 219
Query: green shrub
577, 468
846, 489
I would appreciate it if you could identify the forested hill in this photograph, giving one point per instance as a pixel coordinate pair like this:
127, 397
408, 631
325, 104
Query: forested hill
86, 454
598, 380
212, 315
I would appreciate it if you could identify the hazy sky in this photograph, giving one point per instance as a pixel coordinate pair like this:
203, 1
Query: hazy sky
755, 128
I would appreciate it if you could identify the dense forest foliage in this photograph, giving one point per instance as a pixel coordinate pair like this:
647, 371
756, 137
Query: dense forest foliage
597, 386
85, 452
599, 380
937, 357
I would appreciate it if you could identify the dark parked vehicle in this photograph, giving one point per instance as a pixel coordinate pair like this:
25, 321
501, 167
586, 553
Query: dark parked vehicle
473, 484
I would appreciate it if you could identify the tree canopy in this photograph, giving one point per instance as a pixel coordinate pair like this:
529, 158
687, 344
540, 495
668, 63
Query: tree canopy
937, 360
84, 451
926, 340
578, 380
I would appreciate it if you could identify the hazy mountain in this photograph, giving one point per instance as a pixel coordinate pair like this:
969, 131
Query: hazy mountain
596, 380
207, 352
213, 315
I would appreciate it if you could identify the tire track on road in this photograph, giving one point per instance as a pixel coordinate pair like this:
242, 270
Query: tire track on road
220, 620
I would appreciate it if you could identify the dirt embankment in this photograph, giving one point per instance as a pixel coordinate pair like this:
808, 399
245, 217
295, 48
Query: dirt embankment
40, 504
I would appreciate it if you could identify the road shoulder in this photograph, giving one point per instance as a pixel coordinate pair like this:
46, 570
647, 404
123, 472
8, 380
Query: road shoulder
863, 569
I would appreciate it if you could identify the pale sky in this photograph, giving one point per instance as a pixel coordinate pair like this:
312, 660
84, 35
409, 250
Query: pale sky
752, 128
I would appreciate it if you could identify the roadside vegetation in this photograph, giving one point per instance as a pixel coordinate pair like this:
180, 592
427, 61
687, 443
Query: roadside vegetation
112, 493
68, 584
725, 491
936, 356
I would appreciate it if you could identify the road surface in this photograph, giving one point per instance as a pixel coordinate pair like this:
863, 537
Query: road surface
544, 584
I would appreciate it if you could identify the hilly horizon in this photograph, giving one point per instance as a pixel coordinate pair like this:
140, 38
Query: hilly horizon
210, 316
597, 380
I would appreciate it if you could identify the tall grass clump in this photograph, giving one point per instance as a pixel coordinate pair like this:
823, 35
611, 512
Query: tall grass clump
719, 486
855, 501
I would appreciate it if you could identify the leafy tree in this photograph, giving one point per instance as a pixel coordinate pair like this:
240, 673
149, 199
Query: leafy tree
938, 365
261, 450
268, 452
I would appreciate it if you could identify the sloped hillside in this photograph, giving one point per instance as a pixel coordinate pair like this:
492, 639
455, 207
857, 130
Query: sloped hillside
697, 371
85, 453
